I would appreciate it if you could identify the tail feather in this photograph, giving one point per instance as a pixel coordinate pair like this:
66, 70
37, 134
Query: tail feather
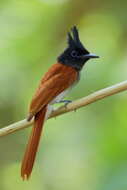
31, 150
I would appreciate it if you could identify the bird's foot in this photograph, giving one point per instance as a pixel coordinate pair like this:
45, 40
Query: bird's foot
66, 102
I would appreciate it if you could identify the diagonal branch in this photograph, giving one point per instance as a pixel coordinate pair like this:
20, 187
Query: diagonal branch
98, 95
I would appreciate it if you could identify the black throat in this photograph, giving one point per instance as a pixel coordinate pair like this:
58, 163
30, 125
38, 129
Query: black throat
65, 61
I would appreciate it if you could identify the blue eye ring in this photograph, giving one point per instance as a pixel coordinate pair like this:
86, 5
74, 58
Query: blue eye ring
74, 53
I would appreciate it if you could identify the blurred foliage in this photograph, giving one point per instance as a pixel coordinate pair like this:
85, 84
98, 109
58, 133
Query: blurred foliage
86, 149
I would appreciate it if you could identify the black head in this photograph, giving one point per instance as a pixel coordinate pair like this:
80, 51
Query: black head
75, 54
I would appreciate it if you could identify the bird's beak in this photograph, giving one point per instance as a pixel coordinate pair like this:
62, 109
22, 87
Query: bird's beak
90, 55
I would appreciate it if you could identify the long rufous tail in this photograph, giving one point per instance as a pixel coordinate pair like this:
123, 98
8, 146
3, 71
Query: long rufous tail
31, 150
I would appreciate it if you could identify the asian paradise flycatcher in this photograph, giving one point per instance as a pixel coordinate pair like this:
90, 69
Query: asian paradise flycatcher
53, 87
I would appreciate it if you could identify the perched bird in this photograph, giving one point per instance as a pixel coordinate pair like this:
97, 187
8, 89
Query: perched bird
53, 87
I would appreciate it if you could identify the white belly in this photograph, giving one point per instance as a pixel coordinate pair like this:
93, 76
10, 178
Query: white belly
55, 100
58, 98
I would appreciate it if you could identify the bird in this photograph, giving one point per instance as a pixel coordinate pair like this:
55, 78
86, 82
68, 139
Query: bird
53, 87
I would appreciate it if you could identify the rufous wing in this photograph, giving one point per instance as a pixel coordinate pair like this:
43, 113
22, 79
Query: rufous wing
56, 80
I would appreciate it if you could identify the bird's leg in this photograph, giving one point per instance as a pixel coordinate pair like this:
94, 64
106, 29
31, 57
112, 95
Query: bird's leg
64, 101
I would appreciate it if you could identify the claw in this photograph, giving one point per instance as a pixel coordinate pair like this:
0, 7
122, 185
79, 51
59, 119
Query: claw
65, 101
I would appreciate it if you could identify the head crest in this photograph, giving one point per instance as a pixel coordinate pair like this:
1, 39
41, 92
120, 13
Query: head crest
75, 34
74, 40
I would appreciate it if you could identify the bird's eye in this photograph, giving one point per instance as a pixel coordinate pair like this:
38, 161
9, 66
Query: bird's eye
74, 53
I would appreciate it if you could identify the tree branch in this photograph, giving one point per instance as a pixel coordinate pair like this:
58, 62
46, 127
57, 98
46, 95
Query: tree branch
98, 95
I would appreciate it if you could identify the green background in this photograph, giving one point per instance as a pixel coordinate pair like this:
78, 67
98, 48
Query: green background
80, 150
